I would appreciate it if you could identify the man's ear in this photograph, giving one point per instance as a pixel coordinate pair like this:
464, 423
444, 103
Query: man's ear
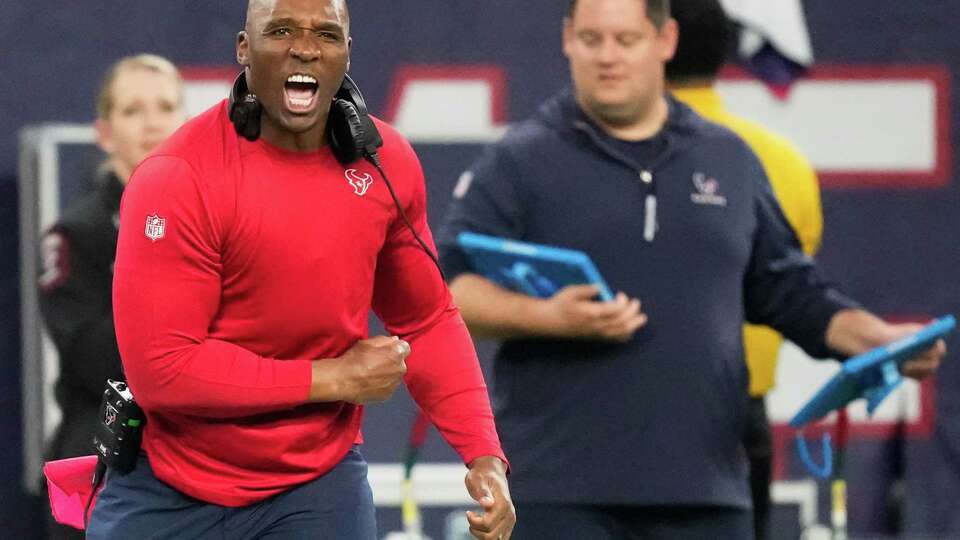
104, 135
349, 48
567, 36
243, 48
669, 37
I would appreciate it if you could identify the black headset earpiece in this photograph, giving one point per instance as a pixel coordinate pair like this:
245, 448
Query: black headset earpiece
244, 109
354, 136
350, 130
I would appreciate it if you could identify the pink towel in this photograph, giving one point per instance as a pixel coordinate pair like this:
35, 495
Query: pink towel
69, 485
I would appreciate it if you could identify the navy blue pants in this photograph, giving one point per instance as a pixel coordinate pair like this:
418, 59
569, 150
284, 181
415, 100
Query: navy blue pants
560, 522
336, 506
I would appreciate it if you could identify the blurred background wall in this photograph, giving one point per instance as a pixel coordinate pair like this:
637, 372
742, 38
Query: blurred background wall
891, 239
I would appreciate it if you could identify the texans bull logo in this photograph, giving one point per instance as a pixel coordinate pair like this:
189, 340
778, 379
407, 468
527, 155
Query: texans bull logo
705, 185
360, 183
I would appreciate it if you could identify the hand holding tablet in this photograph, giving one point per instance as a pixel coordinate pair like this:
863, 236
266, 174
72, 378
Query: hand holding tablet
871, 375
533, 269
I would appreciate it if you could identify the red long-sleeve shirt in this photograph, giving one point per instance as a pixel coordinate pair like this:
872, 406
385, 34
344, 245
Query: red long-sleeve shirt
238, 264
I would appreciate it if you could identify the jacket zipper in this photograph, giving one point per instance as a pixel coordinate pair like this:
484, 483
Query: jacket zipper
646, 175
650, 207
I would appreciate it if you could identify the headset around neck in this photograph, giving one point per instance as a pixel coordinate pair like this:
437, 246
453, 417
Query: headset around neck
350, 130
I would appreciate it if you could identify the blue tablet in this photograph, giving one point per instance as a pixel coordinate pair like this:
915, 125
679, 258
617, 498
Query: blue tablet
871, 375
533, 269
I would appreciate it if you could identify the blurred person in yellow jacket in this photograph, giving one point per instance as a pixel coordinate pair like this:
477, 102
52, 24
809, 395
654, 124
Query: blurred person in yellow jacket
705, 33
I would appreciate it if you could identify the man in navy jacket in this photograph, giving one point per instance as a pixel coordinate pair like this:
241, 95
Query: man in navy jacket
624, 422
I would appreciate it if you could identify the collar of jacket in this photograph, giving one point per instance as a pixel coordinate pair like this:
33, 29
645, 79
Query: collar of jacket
564, 114
111, 186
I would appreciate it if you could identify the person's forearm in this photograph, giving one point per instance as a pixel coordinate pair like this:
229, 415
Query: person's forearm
492, 311
444, 378
492, 462
854, 331
324, 383
213, 379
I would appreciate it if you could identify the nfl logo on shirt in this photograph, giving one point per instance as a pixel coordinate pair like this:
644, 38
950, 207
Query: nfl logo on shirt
156, 227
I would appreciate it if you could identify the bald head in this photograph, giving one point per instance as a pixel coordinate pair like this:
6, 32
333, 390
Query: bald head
261, 11
295, 54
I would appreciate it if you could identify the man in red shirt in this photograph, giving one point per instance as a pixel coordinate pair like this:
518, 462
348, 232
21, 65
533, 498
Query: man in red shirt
245, 271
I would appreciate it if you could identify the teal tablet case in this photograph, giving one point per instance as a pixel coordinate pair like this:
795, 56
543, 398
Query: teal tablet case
533, 269
871, 375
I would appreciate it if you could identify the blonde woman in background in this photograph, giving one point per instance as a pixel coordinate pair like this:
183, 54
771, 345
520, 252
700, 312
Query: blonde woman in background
140, 103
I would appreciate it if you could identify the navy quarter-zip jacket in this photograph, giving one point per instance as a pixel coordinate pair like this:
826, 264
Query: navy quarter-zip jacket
687, 223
